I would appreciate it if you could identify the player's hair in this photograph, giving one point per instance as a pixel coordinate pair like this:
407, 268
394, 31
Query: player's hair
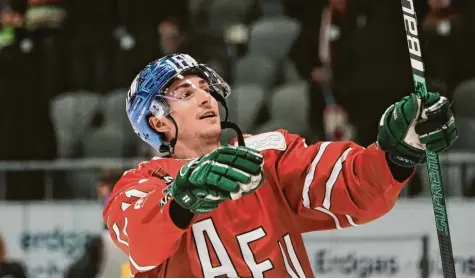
110, 177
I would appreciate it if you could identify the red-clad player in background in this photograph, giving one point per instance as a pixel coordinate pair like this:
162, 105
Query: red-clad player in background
205, 210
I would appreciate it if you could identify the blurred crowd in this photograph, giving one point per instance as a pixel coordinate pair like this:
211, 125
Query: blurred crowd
349, 57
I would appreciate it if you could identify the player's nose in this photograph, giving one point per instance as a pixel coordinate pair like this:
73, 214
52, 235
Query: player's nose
202, 97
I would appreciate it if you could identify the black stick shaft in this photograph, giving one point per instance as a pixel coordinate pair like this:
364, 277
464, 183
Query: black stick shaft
433, 165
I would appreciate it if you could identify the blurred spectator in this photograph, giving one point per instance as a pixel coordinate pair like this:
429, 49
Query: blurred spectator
90, 27
140, 19
172, 32
9, 269
176, 36
441, 28
376, 67
306, 12
354, 48
449, 43
107, 179
9, 21
101, 258
318, 49
25, 117
88, 265
44, 38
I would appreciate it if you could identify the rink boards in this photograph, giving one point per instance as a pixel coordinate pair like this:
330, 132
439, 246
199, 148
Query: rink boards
48, 236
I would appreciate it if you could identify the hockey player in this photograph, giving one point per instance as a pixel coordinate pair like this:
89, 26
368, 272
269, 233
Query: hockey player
205, 210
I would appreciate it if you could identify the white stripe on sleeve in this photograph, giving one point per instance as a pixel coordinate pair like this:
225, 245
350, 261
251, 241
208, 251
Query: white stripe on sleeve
311, 174
140, 268
350, 220
117, 234
333, 178
337, 222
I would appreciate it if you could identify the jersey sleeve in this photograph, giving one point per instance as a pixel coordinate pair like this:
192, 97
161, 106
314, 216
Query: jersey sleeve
139, 221
340, 184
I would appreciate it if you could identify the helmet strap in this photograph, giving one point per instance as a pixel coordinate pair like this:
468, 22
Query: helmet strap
235, 127
174, 140
226, 124
169, 147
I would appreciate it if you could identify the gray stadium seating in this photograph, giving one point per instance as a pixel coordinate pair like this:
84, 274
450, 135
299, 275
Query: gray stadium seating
113, 107
290, 101
464, 106
223, 13
272, 8
255, 69
289, 109
273, 36
71, 114
108, 141
199, 13
83, 183
244, 104
455, 176
291, 74
195, 6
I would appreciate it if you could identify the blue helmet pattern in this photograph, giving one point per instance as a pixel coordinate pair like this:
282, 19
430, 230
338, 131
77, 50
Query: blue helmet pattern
143, 98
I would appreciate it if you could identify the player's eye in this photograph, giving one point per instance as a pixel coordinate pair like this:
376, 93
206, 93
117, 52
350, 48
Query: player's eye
186, 95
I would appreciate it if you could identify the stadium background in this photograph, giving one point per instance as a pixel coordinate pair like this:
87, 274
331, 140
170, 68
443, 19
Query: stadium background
65, 66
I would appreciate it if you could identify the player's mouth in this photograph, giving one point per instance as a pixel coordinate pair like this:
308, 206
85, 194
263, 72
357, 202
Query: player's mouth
207, 114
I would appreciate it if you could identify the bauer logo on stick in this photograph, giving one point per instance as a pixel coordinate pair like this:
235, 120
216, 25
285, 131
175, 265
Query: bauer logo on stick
410, 22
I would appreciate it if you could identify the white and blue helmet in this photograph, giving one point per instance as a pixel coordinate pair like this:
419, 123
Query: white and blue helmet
146, 94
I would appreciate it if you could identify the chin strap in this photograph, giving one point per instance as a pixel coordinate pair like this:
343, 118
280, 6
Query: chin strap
229, 125
233, 126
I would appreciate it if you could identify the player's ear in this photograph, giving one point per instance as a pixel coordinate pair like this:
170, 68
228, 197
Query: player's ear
160, 124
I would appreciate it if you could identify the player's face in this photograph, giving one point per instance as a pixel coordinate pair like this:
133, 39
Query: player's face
193, 108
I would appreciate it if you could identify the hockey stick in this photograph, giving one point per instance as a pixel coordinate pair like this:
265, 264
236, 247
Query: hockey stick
433, 165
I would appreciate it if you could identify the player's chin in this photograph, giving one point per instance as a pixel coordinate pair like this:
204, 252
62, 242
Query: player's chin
210, 126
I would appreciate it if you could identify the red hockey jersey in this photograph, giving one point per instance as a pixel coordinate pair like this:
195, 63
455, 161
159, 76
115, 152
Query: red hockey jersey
325, 186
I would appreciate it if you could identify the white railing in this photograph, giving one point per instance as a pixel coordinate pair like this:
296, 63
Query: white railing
458, 170
69, 164
458, 158
463, 162
61, 165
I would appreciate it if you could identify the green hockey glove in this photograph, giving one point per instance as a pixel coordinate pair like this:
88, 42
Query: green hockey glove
406, 131
227, 172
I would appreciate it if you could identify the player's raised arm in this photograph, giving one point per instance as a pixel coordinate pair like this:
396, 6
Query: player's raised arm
139, 218
342, 184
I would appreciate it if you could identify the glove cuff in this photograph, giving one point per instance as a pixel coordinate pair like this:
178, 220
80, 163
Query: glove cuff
405, 161
180, 216
399, 173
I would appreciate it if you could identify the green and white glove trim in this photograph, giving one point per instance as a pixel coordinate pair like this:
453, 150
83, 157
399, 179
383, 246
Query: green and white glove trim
225, 173
408, 128
247, 188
